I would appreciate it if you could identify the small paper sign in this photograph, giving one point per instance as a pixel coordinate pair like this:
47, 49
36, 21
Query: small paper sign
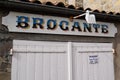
93, 59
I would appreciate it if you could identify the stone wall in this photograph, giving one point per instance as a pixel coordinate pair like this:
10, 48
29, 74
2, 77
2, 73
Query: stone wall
106, 5
101, 5
117, 53
79, 3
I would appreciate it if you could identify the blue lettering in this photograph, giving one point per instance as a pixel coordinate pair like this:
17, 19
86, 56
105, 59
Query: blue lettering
76, 25
87, 27
64, 25
22, 22
96, 26
51, 24
104, 29
38, 22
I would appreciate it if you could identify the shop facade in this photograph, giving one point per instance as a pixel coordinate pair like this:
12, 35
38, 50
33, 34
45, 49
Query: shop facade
50, 46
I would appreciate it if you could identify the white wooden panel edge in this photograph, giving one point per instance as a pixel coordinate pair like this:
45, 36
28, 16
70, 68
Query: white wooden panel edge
57, 46
14, 67
70, 61
94, 47
22, 46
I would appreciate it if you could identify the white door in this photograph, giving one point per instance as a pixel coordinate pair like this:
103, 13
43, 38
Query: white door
93, 61
33, 60
41, 60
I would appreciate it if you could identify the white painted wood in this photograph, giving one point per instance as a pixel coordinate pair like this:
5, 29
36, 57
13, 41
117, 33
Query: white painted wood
103, 70
69, 61
54, 67
22, 67
42, 60
63, 68
14, 67
30, 71
38, 63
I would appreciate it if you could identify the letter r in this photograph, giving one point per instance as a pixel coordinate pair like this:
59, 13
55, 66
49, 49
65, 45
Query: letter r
37, 22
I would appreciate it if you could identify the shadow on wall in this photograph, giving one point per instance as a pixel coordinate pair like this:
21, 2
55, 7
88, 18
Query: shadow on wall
5, 76
5, 59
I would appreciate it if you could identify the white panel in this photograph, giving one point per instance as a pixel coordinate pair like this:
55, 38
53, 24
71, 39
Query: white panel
92, 67
38, 64
79, 68
33, 44
93, 47
54, 66
70, 61
21, 66
46, 66
62, 65
107, 70
30, 66
84, 69
40, 60
14, 74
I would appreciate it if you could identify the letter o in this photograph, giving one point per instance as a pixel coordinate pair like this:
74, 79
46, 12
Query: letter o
49, 24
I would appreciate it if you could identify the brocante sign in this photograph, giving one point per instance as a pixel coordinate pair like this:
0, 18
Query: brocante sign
33, 23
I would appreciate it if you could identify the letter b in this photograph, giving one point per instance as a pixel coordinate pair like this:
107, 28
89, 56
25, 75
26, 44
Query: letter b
22, 22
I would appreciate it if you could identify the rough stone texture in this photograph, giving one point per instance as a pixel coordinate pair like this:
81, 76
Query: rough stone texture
5, 76
106, 5
117, 62
101, 5
79, 3
117, 53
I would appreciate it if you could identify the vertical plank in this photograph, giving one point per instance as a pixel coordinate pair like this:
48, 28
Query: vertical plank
30, 66
22, 66
54, 66
108, 66
70, 61
46, 63
62, 65
85, 67
19, 66
14, 73
95, 67
74, 63
102, 67
79, 66
112, 66
38, 64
